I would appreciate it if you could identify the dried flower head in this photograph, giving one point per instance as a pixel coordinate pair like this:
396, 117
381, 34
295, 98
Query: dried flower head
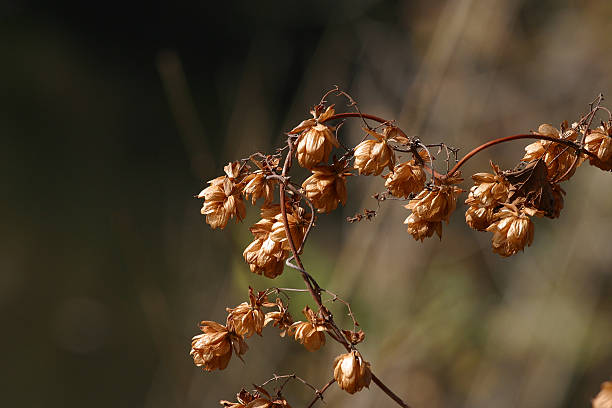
372, 156
512, 229
421, 229
490, 189
222, 199
316, 140
432, 206
267, 253
257, 185
326, 187
479, 218
256, 400
436, 203
264, 259
405, 179
351, 372
557, 157
212, 349
247, 319
281, 318
310, 333
604, 398
599, 142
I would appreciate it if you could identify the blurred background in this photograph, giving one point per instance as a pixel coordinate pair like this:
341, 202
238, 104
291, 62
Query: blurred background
114, 115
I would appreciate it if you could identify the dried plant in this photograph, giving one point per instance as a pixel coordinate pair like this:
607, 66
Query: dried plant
502, 202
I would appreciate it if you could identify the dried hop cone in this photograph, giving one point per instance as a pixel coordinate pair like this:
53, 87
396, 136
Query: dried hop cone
247, 319
557, 157
222, 199
311, 333
490, 189
257, 185
430, 207
405, 179
281, 318
512, 229
372, 156
479, 218
604, 398
326, 188
316, 140
259, 399
351, 372
599, 142
212, 349
267, 253
421, 229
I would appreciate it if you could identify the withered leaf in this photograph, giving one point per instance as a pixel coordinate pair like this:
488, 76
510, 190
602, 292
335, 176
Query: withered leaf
532, 184
353, 336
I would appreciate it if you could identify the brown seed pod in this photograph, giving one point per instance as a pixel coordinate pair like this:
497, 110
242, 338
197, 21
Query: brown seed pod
310, 333
512, 230
557, 157
421, 229
316, 139
222, 199
604, 398
212, 349
326, 187
599, 142
479, 218
489, 190
372, 156
247, 319
351, 372
266, 255
405, 179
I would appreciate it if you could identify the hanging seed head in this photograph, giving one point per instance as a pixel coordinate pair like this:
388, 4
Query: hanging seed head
351, 372
316, 139
512, 230
257, 186
599, 142
372, 156
557, 157
212, 349
310, 333
489, 190
266, 255
435, 204
326, 187
405, 179
479, 218
258, 399
222, 199
247, 319
281, 318
604, 398
421, 229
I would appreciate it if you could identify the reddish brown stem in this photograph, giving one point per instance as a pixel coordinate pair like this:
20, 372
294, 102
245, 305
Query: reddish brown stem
390, 393
320, 392
510, 138
311, 284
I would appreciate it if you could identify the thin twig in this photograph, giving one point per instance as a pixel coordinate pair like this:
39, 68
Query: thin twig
510, 138
320, 393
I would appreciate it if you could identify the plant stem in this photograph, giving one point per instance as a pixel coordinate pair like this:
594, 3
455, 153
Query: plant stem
320, 393
313, 286
494, 142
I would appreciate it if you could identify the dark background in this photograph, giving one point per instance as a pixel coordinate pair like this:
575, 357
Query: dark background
114, 115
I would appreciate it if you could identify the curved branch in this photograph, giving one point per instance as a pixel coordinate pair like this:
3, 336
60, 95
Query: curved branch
484, 146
